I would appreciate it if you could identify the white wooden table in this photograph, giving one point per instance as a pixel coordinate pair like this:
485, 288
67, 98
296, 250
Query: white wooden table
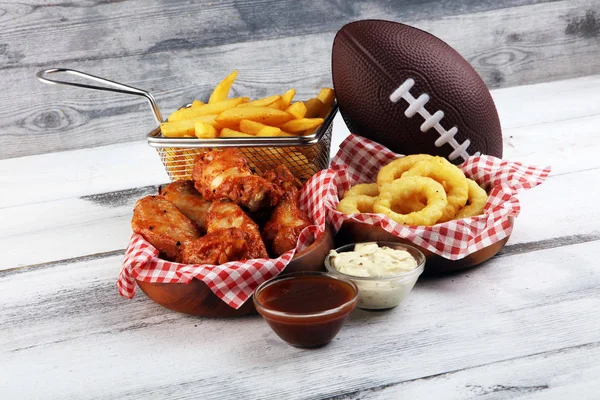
525, 324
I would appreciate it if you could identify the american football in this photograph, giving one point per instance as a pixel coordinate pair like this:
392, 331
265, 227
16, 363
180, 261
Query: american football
412, 92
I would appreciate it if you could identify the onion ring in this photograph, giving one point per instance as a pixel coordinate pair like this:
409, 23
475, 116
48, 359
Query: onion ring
356, 204
396, 168
367, 189
452, 179
398, 191
477, 201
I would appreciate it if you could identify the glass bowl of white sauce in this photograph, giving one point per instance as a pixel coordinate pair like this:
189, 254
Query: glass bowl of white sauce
384, 272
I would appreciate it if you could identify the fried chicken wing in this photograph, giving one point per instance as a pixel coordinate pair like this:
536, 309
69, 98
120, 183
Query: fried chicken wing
232, 236
216, 248
163, 225
191, 203
281, 232
227, 174
283, 178
226, 215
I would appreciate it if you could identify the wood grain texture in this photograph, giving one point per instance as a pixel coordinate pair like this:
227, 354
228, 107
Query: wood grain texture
179, 51
88, 26
67, 334
63, 213
64, 229
557, 374
532, 111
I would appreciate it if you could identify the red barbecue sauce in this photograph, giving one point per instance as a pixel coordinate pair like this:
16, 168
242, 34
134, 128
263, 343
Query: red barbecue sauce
306, 300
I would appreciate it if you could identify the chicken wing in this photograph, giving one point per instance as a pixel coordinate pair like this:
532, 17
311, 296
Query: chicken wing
226, 215
163, 225
283, 178
216, 248
191, 203
232, 236
281, 232
227, 174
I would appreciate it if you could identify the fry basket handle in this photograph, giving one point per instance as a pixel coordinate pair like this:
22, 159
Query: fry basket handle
113, 86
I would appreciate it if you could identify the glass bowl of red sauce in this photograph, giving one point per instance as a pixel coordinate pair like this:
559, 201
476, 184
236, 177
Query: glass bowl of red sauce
306, 309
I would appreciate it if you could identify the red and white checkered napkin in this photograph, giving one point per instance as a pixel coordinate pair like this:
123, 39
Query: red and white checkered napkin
359, 160
233, 282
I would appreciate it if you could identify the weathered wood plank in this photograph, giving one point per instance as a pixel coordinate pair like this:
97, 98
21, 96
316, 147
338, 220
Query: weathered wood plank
63, 325
559, 374
47, 177
60, 214
529, 105
134, 164
92, 30
530, 43
63, 229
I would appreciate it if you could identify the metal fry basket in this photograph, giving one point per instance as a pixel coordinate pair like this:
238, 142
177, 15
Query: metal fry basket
303, 155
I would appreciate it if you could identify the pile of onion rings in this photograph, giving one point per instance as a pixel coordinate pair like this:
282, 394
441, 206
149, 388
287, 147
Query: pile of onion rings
417, 190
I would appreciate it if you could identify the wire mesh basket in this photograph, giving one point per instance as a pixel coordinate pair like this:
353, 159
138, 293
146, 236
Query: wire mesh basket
303, 155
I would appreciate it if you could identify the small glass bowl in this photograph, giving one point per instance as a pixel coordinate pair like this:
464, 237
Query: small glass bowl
381, 293
311, 324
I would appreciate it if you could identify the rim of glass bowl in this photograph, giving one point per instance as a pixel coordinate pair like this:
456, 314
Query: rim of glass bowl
415, 252
293, 275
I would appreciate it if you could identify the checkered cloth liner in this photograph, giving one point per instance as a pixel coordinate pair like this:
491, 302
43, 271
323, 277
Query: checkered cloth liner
233, 282
359, 160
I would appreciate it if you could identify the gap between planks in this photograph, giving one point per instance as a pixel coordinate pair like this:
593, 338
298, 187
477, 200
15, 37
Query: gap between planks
92, 224
68, 120
100, 169
425, 337
242, 20
507, 251
359, 394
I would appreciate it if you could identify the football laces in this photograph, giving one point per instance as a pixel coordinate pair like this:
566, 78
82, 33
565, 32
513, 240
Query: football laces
417, 106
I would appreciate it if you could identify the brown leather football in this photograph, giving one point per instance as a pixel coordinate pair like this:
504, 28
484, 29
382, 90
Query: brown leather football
413, 93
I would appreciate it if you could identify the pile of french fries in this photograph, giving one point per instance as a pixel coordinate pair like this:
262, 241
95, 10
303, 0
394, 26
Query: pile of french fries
239, 117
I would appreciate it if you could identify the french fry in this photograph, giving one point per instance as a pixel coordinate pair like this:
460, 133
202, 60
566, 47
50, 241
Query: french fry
221, 91
299, 125
226, 132
179, 162
298, 110
208, 119
186, 127
264, 115
269, 131
327, 96
251, 127
278, 105
205, 131
289, 96
207, 109
239, 117
264, 102
316, 108
177, 128
313, 108
190, 157
285, 101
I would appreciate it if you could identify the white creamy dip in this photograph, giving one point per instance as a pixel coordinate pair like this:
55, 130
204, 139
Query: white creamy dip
368, 259
376, 271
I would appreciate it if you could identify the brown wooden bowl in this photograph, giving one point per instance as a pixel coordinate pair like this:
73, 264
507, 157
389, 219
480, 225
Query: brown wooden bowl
353, 232
195, 298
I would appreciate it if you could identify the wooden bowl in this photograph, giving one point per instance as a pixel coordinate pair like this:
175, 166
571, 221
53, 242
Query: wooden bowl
195, 298
353, 232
